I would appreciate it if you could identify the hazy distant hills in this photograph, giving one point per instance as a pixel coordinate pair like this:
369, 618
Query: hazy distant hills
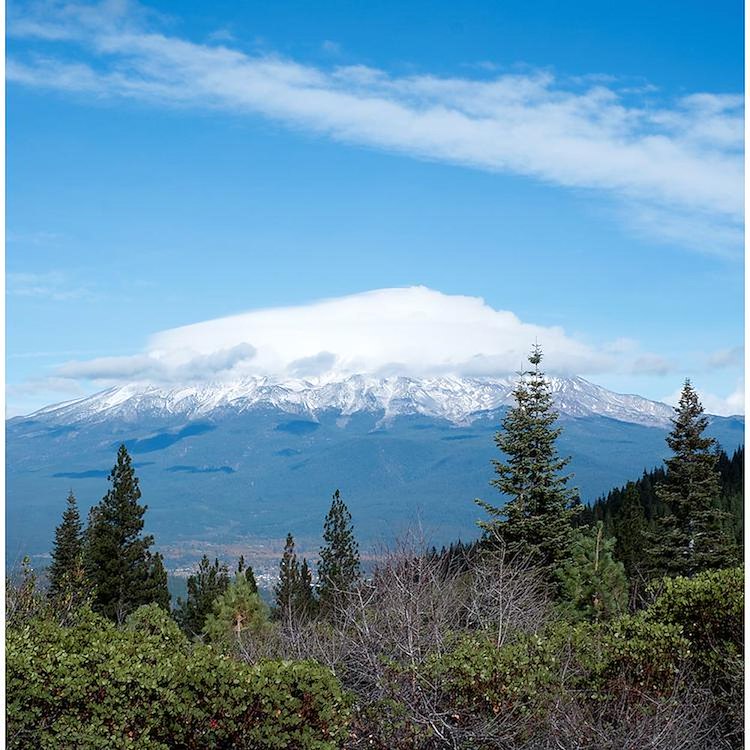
253, 459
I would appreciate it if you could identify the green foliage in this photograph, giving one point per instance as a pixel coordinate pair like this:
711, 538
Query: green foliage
694, 535
66, 569
609, 508
338, 569
237, 614
538, 517
294, 598
203, 587
247, 570
537, 669
732, 499
156, 589
94, 685
709, 608
631, 530
118, 563
593, 585
693, 626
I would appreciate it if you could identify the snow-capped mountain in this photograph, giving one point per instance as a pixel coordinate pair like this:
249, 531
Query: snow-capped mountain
248, 461
458, 400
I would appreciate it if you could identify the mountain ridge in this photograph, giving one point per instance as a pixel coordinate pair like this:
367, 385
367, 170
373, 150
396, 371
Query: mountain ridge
458, 400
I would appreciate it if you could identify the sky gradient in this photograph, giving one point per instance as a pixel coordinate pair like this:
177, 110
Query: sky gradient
575, 167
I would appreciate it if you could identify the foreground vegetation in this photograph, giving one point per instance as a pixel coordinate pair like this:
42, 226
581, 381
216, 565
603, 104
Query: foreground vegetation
548, 632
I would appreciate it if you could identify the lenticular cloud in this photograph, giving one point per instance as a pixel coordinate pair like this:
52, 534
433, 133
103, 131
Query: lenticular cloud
412, 331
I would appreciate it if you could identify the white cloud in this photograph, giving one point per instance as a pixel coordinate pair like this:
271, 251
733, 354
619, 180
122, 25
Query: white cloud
412, 331
666, 162
178, 366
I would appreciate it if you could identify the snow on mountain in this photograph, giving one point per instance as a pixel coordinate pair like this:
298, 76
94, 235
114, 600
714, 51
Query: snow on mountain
457, 399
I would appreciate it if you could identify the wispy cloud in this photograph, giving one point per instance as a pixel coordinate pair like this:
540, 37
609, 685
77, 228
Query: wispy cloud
331, 48
675, 166
53, 285
23, 398
181, 366
726, 358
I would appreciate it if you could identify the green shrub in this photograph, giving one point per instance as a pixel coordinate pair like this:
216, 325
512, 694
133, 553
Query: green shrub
482, 677
708, 607
93, 685
590, 658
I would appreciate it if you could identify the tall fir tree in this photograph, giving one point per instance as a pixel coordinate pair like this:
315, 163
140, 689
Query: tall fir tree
119, 565
247, 571
209, 581
157, 589
66, 570
307, 604
693, 536
294, 596
538, 517
339, 567
631, 532
285, 589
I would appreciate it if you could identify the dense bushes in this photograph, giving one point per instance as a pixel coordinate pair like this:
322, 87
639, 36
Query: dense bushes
430, 658
708, 607
93, 685
680, 656
591, 659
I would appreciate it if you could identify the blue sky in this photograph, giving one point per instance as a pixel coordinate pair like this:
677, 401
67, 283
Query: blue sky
576, 164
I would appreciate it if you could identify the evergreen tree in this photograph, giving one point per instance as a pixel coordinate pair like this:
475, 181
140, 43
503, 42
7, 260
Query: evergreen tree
248, 572
294, 598
307, 604
732, 499
285, 590
157, 590
117, 560
631, 530
731, 471
203, 587
236, 615
693, 535
338, 568
539, 515
593, 585
66, 570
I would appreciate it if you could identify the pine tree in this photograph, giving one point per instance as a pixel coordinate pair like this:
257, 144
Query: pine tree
693, 535
204, 586
285, 590
236, 615
117, 560
66, 570
538, 518
338, 568
631, 531
593, 585
294, 597
157, 589
307, 604
248, 572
